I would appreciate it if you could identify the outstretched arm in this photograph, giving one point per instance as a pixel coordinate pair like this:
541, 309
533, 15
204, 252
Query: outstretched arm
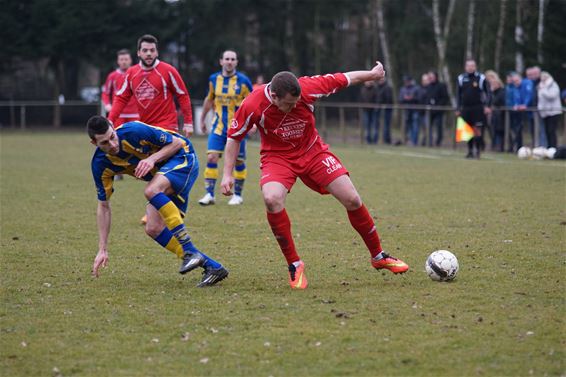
103, 220
358, 77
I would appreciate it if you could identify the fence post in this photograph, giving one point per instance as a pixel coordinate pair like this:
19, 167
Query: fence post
428, 136
12, 114
403, 125
323, 128
507, 135
536, 136
342, 124
361, 124
23, 117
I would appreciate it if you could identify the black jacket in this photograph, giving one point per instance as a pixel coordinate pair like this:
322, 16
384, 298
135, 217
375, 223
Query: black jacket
473, 90
384, 94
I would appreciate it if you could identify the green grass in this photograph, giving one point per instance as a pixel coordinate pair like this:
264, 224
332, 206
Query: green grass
504, 314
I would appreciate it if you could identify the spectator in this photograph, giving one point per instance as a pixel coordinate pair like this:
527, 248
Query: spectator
384, 97
259, 81
474, 102
497, 120
533, 74
368, 94
409, 95
517, 96
438, 96
423, 100
563, 95
549, 106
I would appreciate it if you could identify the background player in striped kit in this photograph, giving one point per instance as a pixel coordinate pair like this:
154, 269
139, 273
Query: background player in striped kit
226, 91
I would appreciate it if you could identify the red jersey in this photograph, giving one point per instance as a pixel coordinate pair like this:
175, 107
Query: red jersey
287, 135
153, 89
113, 82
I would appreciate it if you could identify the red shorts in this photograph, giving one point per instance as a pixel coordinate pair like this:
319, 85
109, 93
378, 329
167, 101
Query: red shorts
316, 171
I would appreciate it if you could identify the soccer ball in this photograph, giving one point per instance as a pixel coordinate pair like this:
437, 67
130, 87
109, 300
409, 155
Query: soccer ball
539, 153
524, 152
441, 265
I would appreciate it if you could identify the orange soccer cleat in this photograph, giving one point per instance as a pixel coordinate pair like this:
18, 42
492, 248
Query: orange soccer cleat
397, 266
297, 277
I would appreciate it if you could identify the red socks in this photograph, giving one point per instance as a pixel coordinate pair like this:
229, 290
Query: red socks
363, 223
281, 227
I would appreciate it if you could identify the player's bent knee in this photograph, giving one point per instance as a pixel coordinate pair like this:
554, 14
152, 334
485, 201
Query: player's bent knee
152, 229
274, 202
212, 158
150, 191
352, 202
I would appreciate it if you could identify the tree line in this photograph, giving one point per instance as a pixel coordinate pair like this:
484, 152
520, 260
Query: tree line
304, 36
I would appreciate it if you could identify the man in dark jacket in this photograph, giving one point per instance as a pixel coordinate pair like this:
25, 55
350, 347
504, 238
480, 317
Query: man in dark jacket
437, 96
409, 95
474, 103
368, 94
384, 97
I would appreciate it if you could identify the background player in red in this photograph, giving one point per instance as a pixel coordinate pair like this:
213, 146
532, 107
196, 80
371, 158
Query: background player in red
291, 147
113, 82
153, 84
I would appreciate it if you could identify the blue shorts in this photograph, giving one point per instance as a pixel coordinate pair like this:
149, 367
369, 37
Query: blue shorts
182, 172
217, 144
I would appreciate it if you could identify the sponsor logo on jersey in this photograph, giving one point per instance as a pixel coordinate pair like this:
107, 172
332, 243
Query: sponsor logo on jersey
145, 93
291, 130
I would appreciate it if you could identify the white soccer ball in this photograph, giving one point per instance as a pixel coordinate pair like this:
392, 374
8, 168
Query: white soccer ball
442, 265
524, 152
539, 153
550, 152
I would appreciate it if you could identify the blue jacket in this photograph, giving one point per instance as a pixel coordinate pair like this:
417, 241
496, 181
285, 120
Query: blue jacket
519, 95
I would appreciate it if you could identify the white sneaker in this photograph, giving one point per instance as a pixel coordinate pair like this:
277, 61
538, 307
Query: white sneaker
206, 200
236, 200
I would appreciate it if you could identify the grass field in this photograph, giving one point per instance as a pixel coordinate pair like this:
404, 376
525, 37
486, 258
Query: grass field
504, 315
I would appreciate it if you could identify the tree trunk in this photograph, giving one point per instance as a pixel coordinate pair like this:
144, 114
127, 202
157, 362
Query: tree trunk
381, 29
318, 39
440, 36
519, 38
290, 54
470, 37
540, 30
57, 88
499, 35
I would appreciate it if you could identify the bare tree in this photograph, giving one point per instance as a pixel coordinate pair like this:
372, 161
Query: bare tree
540, 29
519, 37
471, 21
440, 36
381, 29
290, 51
499, 35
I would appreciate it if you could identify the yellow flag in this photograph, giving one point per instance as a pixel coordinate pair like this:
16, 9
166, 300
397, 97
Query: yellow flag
464, 132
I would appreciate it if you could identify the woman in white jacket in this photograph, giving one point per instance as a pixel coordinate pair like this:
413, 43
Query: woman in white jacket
549, 106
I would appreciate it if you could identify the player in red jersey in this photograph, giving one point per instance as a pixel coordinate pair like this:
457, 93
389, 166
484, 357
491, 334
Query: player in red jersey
113, 82
291, 148
153, 84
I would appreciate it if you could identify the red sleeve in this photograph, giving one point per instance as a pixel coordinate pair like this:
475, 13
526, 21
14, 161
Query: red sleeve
107, 89
315, 87
243, 121
182, 94
121, 98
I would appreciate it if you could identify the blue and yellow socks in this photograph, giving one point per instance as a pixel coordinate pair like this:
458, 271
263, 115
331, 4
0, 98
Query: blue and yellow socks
175, 234
240, 173
210, 177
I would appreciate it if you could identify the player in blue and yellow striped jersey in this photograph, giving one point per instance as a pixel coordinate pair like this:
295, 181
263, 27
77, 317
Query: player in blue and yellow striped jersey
167, 161
226, 91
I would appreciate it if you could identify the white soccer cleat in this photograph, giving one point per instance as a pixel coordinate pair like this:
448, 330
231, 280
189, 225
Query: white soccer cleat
206, 200
235, 200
